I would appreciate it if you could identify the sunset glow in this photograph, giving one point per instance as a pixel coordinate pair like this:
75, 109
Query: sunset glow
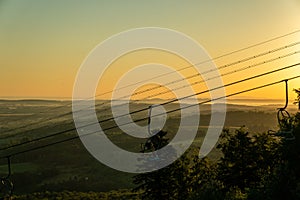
43, 43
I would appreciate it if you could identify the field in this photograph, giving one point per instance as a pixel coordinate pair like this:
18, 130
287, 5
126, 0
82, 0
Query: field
68, 165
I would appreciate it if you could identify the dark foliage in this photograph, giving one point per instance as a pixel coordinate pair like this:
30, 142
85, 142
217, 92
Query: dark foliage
252, 166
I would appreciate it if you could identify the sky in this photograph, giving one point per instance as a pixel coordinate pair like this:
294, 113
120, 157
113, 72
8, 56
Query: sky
44, 43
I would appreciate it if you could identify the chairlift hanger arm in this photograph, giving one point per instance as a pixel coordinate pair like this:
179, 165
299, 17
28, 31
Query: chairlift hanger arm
286, 95
9, 167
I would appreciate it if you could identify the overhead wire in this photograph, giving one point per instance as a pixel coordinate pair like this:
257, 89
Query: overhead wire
144, 109
197, 82
227, 73
162, 75
143, 119
169, 83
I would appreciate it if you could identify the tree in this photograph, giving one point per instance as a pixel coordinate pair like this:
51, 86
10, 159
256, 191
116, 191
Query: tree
285, 182
170, 182
247, 160
204, 181
252, 166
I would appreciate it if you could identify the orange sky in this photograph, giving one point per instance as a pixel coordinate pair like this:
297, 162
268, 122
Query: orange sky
43, 43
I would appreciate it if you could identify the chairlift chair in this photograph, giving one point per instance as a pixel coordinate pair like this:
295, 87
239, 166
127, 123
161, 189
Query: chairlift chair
284, 120
154, 142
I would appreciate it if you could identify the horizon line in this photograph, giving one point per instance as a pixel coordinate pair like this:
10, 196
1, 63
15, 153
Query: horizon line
154, 99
